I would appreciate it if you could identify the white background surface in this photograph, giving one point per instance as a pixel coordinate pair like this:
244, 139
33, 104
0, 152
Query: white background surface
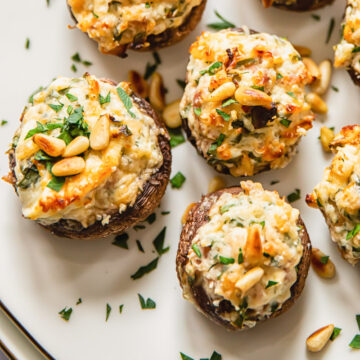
40, 274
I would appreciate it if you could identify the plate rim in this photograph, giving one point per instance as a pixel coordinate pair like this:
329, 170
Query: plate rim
24, 332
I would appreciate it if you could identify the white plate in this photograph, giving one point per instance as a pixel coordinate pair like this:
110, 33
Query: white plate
40, 274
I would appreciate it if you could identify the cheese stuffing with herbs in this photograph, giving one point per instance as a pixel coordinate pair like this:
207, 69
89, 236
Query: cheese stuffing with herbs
244, 102
115, 23
247, 253
338, 193
113, 152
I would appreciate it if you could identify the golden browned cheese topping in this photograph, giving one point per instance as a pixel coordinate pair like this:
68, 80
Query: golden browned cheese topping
347, 52
115, 23
84, 151
244, 100
247, 252
338, 193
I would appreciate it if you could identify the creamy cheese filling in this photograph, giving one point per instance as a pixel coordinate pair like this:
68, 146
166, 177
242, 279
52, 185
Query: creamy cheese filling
112, 178
338, 194
251, 231
246, 134
114, 23
347, 51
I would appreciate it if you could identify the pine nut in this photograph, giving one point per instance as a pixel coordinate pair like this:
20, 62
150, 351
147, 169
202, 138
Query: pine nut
223, 92
157, 92
312, 68
326, 137
49, 144
303, 50
322, 264
139, 84
216, 183
171, 115
322, 84
251, 278
317, 104
77, 146
100, 134
318, 339
69, 166
26, 149
253, 247
252, 97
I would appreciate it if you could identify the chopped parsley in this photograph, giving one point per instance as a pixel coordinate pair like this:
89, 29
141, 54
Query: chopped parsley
213, 147
79, 301
27, 43
293, 196
31, 176
65, 313
211, 69
286, 122
121, 308
185, 357
273, 182
159, 242
177, 180
335, 333
31, 97
108, 311
353, 232
225, 208
224, 115
324, 260
358, 320
126, 100
223, 24
291, 94
55, 107
196, 249
197, 111
56, 183
315, 17
215, 356
148, 304
355, 342
103, 100
165, 212
271, 283
140, 247
77, 58
71, 97
228, 102
121, 241
3, 122
240, 256
248, 61
139, 227
143, 270
226, 260
330, 29
151, 218
73, 68
176, 137
334, 88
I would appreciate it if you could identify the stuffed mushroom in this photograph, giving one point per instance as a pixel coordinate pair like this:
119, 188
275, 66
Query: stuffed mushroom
132, 24
89, 159
347, 52
244, 105
243, 256
297, 5
337, 196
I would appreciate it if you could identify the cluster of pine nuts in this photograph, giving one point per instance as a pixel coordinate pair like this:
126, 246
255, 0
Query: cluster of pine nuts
320, 82
71, 164
155, 92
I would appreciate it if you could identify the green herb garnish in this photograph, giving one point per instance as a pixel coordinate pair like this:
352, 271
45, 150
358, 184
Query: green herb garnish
211, 70
56, 183
353, 232
151, 218
159, 242
31, 176
330, 30
143, 270
223, 114
315, 17
55, 107
121, 308
293, 196
176, 137
181, 83
225, 208
324, 260
271, 283
355, 343
224, 24
226, 260
335, 333
27, 43
148, 304
196, 249
65, 313
177, 180
185, 357
286, 122
216, 144
126, 100
121, 241
79, 301
140, 247
240, 256
108, 311
103, 100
